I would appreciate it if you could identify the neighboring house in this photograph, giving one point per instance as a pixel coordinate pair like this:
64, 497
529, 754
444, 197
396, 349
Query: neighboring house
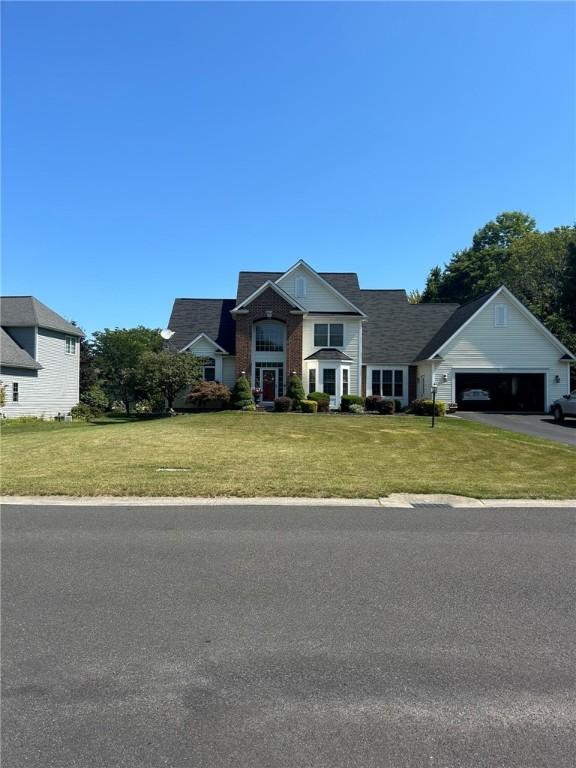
39, 359
345, 340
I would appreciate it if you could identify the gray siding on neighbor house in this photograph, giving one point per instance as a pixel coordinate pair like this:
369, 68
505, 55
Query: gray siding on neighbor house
27, 381
53, 389
59, 378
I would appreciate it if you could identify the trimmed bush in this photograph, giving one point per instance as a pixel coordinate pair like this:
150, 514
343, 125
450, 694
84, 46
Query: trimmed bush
283, 404
309, 406
372, 401
347, 400
322, 399
385, 406
242, 394
397, 406
295, 390
424, 408
81, 412
356, 408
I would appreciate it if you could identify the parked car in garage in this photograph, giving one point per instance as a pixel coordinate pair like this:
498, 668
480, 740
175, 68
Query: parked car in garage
564, 406
476, 394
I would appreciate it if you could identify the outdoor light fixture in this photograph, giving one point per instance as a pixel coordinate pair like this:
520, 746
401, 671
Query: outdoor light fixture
268, 313
444, 377
434, 390
557, 379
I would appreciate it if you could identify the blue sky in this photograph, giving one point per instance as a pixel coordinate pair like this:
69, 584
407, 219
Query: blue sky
151, 150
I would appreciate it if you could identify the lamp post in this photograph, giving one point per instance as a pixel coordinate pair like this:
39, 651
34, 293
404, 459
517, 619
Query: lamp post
434, 390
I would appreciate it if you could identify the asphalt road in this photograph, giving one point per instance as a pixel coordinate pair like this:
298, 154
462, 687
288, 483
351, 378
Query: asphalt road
263, 637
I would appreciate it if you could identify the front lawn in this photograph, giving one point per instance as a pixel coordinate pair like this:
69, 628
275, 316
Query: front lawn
267, 454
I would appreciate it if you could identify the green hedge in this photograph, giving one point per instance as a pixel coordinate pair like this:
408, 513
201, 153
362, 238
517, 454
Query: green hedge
425, 407
309, 406
323, 400
347, 400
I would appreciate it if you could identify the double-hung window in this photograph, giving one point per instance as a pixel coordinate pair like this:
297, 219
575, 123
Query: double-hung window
70, 343
312, 380
345, 381
15, 392
329, 381
209, 369
329, 335
388, 382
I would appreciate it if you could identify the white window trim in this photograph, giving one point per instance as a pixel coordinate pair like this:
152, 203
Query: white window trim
500, 315
70, 343
370, 368
300, 287
329, 341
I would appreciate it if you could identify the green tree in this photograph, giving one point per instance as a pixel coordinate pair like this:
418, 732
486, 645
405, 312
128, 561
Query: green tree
117, 356
166, 373
242, 398
484, 265
414, 296
295, 390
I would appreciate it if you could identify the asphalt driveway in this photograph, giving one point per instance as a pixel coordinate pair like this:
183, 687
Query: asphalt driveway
283, 637
536, 425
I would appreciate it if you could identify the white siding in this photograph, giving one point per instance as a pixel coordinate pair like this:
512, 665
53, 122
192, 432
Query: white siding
520, 347
319, 297
202, 348
352, 344
229, 371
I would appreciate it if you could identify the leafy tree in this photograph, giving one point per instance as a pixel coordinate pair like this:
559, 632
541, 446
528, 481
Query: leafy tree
117, 355
95, 398
432, 288
414, 296
167, 373
88, 368
484, 265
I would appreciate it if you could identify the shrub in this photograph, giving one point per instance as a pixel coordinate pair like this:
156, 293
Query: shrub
356, 408
424, 408
209, 394
143, 406
249, 406
242, 394
309, 406
372, 402
283, 404
397, 406
81, 412
322, 399
385, 406
295, 390
96, 399
347, 400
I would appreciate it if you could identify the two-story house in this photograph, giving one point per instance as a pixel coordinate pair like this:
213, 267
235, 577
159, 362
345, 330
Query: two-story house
39, 359
342, 339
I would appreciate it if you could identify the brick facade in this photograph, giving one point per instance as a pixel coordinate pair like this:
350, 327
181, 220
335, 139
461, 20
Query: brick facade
269, 301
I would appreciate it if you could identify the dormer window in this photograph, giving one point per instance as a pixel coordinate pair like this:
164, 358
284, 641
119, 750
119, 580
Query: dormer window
500, 316
300, 287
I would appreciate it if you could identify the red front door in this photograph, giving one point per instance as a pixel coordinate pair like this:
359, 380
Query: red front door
268, 384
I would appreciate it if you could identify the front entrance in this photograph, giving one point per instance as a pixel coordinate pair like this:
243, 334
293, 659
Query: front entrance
269, 388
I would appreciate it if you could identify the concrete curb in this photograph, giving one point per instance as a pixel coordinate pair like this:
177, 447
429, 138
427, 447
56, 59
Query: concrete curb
394, 501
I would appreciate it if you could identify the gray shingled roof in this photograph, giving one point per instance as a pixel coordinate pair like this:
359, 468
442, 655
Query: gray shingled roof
345, 283
27, 311
452, 324
191, 317
396, 331
328, 353
12, 354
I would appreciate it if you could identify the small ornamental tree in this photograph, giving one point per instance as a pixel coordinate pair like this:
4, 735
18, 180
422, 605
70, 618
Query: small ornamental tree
167, 373
209, 392
242, 398
2, 395
295, 390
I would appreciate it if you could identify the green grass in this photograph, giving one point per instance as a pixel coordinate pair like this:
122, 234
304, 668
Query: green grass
266, 454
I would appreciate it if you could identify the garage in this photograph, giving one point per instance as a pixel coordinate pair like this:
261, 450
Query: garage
500, 391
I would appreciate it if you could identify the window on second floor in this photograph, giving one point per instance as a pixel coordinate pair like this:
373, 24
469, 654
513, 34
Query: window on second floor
329, 335
70, 343
269, 337
500, 316
300, 287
